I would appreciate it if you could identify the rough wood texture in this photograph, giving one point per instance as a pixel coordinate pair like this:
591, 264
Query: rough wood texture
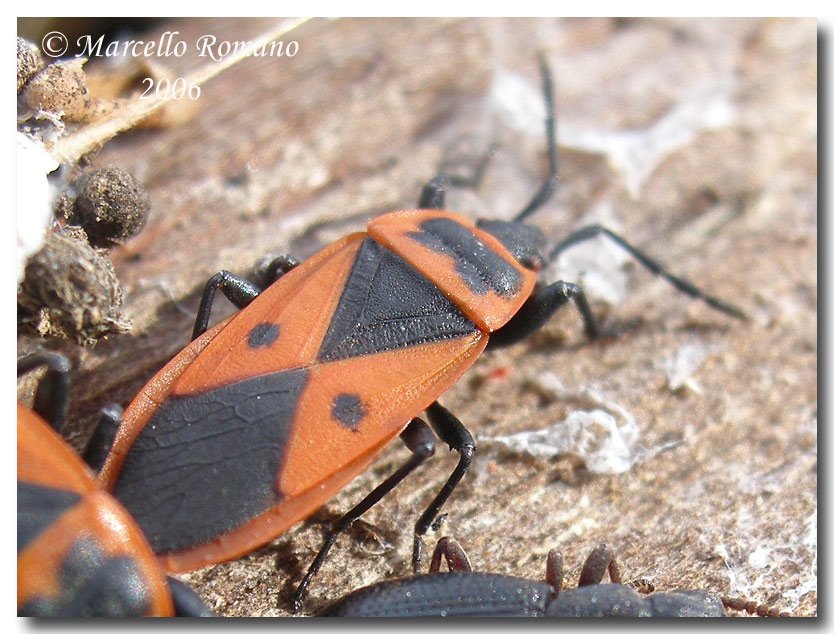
288, 154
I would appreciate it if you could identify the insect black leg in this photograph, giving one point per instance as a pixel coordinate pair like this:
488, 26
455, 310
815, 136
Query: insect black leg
433, 195
237, 290
456, 558
539, 308
52, 394
186, 601
683, 285
420, 441
280, 266
98, 447
600, 560
453, 433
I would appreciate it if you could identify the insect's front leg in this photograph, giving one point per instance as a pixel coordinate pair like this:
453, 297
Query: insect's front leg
238, 290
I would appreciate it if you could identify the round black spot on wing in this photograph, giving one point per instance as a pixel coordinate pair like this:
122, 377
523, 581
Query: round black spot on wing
263, 335
207, 463
348, 410
38, 507
481, 268
93, 584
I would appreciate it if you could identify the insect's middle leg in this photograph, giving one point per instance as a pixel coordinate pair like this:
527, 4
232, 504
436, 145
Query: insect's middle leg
452, 432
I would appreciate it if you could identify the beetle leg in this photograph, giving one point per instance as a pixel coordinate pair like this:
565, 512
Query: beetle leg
237, 290
52, 394
555, 571
453, 433
683, 285
751, 607
455, 555
600, 560
539, 308
420, 441
98, 447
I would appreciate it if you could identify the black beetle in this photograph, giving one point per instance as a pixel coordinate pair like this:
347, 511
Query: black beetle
461, 592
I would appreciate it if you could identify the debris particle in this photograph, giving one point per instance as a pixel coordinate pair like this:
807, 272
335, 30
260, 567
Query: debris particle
680, 368
61, 87
604, 444
34, 198
29, 61
111, 206
70, 291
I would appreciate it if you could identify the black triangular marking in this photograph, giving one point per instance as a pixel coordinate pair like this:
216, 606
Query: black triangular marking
207, 463
387, 304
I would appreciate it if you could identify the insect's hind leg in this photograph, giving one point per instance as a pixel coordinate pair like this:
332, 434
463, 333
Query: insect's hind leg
420, 441
278, 267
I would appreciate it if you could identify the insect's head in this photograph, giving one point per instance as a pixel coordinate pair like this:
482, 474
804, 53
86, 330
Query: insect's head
526, 243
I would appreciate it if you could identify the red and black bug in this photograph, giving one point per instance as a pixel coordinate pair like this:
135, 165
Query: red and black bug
79, 553
267, 415
463, 593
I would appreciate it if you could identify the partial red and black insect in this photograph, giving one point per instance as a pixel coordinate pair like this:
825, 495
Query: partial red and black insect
79, 553
461, 592
267, 415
